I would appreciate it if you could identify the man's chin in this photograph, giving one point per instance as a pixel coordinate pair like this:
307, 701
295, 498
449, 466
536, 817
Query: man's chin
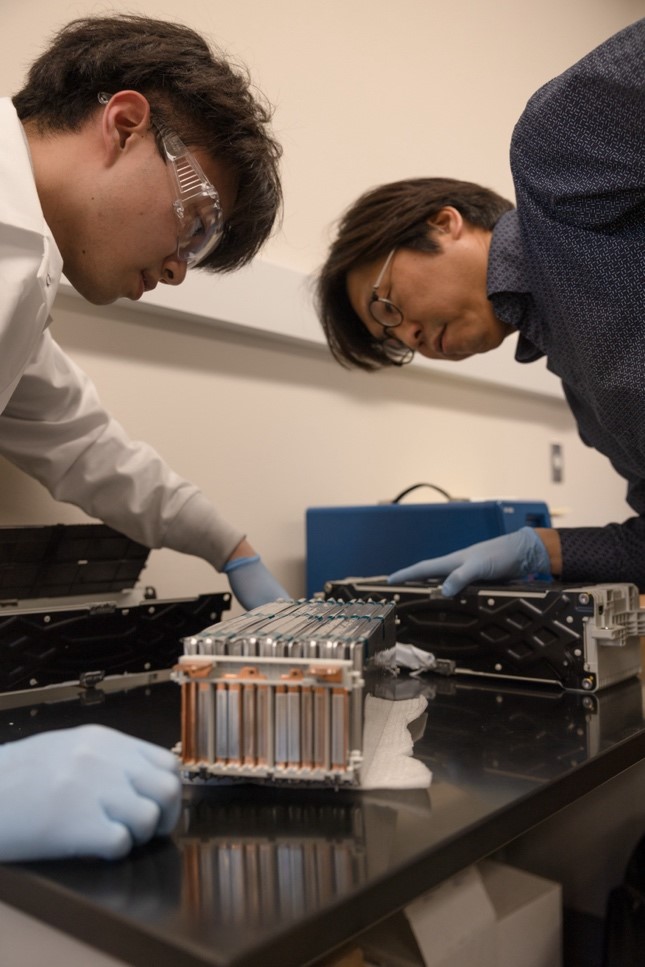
89, 291
100, 301
448, 359
94, 298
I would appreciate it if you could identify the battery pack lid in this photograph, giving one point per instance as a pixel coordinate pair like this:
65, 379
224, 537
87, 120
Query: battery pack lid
67, 559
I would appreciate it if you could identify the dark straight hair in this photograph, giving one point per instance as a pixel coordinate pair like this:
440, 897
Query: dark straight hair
191, 87
394, 215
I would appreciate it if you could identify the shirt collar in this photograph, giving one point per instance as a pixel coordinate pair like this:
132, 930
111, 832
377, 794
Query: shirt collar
508, 287
506, 263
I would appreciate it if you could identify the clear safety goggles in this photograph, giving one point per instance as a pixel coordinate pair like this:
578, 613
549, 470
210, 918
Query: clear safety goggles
196, 205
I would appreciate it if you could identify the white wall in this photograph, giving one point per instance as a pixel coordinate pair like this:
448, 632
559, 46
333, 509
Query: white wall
365, 91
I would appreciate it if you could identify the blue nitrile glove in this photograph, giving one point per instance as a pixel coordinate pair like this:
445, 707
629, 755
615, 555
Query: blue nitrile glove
510, 556
251, 582
86, 791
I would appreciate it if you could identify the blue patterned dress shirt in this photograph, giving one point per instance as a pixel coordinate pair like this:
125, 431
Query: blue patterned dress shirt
567, 269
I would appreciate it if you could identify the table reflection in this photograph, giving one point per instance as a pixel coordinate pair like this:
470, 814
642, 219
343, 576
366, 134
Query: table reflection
536, 735
265, 862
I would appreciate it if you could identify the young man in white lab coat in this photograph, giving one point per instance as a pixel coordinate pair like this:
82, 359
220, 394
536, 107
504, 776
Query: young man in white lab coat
132, 153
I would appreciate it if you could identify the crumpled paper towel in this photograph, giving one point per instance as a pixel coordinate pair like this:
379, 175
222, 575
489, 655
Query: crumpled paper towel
388, 761
405, 656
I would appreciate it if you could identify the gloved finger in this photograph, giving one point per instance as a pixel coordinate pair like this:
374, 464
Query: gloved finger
458, 579
108, 840
139, 814
170, 813
415, 572
158, 756
111, 840
84, 828
132, 769
436, 567
134, 756
163, 788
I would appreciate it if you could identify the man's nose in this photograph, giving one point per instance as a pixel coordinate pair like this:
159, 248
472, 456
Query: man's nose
174, 271
409, 333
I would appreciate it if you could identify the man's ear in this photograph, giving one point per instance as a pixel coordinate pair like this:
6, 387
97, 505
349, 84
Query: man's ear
126, 114
447, 221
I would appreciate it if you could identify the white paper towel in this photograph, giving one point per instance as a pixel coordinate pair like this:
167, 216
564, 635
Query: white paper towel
388, 761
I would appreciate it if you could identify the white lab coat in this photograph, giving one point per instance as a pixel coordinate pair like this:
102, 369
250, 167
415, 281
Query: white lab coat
52, 424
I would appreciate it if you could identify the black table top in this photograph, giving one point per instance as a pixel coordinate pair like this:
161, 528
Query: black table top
266, 876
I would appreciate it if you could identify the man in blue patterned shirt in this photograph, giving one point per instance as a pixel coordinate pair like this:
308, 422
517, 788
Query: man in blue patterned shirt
448, 269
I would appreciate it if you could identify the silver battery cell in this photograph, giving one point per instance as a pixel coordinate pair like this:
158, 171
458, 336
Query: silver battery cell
275, 695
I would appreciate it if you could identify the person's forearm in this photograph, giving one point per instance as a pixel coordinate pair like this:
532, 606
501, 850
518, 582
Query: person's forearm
551, 540
56, 430
243, 549
251, 582
614, 553
199, 530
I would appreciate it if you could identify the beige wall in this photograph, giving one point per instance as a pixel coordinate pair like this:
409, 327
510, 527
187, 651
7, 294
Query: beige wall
365, 91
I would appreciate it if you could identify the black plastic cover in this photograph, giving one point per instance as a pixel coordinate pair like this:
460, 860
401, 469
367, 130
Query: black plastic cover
67, 559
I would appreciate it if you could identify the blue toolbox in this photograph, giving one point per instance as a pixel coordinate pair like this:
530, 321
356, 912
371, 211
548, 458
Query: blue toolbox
378, 539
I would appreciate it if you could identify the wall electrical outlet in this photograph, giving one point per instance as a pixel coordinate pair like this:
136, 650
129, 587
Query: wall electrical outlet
557, 463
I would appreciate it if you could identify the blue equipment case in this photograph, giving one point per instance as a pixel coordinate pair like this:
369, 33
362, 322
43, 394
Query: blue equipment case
376, 540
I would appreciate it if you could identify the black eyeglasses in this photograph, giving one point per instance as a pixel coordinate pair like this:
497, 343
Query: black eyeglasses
389, 316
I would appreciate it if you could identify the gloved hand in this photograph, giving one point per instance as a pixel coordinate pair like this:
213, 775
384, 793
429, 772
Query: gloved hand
86, 791
251, 583
509, 556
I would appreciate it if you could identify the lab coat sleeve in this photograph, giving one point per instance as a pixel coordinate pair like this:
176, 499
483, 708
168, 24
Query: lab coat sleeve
55, 429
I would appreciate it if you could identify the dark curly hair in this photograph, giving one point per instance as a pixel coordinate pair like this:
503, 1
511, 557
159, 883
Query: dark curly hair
191, 87
390, 216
